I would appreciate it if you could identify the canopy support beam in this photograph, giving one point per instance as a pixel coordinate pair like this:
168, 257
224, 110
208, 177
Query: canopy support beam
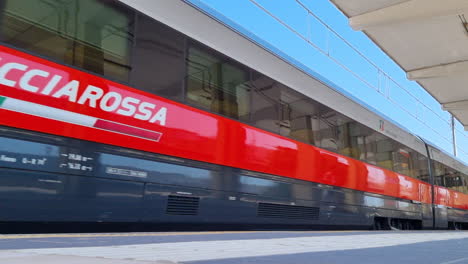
461, 105
445, 70
408, 11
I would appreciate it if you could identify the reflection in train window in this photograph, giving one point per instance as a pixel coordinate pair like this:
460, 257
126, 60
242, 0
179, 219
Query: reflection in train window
263, 187
27, 147
160, 172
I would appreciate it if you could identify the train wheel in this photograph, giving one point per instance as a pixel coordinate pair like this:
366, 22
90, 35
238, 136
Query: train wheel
377, 225
394, 224
406, 225
399, 225
381, 223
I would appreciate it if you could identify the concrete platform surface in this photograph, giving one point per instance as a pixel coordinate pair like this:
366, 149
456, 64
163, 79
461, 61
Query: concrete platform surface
24, 258
287, 247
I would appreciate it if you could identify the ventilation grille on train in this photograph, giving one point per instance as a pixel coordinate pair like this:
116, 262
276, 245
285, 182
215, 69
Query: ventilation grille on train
287, 211
182, 205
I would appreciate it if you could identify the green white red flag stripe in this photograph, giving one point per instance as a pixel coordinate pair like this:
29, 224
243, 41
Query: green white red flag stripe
48, 112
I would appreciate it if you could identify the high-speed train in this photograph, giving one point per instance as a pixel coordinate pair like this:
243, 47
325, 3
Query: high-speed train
142, 111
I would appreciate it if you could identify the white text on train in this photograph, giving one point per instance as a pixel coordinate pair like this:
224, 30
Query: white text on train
92, 96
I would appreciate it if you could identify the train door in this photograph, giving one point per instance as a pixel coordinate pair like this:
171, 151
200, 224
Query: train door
441, 200
426, 206
432, 191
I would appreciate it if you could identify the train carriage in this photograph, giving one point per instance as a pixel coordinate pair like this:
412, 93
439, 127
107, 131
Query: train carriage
155, 112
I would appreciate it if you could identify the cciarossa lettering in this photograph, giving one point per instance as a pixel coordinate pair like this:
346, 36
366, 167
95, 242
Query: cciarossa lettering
92, 96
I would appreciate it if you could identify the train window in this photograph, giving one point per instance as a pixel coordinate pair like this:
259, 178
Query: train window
363, 142
304, 127
279, 109
384, 148
22, 154
465, 183
264, 187
402, 162
439, 173
422, 171
350, 139
158, 61
264, 111
453, 180
155, 171
449, 177
370, 145
297, 116
217, 83
328, 129
417, 169
90, 34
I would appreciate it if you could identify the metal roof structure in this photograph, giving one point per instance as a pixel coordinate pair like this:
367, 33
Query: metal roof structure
427, 38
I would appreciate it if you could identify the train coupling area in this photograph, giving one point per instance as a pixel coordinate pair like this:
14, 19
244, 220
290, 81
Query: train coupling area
281, 247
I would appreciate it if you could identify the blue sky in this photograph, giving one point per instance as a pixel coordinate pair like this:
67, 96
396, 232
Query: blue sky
310, 42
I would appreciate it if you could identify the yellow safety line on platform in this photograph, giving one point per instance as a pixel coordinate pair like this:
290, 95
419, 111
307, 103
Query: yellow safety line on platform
149, 234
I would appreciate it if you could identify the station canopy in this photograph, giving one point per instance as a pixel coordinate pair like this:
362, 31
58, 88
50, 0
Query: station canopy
427, 38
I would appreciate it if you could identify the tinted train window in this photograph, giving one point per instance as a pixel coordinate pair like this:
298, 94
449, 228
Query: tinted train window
439, 172
22, 154
422, 170
348, 137
356, 140
370, 145
464, 181
264, 113
90, 34
264, 187
402, 162
328, 129
384, 155
155, 171
217, 83
282, 110
450, 178
278, 108
298, 115
453, 180
158, 59
334, 132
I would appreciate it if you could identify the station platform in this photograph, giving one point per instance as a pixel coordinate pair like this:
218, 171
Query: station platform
285, 247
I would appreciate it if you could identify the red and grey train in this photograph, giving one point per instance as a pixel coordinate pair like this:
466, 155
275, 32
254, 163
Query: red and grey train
155, 112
